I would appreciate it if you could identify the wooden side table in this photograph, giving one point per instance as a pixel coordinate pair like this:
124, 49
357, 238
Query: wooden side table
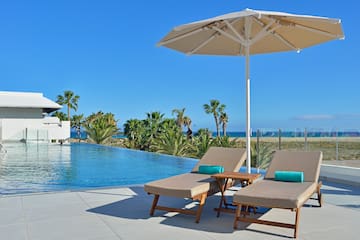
223, 179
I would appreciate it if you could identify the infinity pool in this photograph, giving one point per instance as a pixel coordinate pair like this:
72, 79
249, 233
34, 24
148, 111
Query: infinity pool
27, 168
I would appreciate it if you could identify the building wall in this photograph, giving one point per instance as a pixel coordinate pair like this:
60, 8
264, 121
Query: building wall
30, 124
56, 129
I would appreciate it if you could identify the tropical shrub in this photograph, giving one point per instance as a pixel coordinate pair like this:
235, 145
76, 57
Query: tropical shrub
134, 130
101, 127
225, 142
261, 155
172, 141
202, 141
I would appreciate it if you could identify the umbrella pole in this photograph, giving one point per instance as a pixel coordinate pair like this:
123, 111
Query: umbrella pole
248, 130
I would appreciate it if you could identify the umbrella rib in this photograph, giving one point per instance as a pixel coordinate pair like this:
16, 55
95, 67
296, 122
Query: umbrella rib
286, 42
202, 44
264, 31
161, 43
311, 29
235, 32
278, 36
194, 50
227, 34
314, 30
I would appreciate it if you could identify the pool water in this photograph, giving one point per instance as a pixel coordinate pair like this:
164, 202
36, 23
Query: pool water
27, 168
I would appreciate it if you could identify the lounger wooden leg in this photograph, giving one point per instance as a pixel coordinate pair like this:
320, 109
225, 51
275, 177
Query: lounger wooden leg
297, 222
254, 209
201, 205
320, 199
154, 204
237, 215
247, 211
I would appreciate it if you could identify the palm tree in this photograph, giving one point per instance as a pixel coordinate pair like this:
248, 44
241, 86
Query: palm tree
187, 123
215, 108
134, 130
110, 118
60, 115
152, 125
179, 117
131, 128
224, 119
76, 122
70, 100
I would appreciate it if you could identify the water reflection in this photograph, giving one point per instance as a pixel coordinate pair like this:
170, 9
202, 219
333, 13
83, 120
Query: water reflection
36, 167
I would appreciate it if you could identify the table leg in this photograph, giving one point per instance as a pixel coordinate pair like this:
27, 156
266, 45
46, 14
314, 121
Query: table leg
222, 200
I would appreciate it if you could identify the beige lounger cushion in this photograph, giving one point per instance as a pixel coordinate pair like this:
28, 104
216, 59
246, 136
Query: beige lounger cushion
275, 194
189, 185
186, 185
307, 162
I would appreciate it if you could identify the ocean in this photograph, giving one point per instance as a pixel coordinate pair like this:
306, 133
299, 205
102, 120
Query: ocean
263, 133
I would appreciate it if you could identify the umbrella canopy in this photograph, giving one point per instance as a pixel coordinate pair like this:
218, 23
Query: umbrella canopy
251, 32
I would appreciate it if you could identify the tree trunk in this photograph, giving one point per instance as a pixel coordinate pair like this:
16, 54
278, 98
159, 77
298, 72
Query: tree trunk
68, 110
224, 129
189, 133
217, 126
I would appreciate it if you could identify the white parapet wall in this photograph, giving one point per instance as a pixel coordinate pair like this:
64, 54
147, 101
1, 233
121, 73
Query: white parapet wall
57, 130
14, 121
49, 129
340, 174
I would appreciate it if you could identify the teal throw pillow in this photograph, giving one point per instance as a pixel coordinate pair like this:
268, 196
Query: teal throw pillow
210, 169
289, 176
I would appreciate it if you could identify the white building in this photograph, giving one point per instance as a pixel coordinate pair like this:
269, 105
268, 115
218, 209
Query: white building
24, 117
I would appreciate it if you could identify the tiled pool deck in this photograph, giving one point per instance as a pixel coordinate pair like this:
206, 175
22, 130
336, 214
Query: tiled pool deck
123, 213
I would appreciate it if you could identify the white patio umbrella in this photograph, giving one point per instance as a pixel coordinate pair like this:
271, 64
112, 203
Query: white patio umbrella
252, 32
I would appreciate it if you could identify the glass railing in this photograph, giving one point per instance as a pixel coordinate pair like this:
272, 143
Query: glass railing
335, 144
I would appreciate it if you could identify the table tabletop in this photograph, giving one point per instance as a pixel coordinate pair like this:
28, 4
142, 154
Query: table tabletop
237, 176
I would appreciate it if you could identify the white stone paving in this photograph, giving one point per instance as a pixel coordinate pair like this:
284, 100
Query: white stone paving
123, 213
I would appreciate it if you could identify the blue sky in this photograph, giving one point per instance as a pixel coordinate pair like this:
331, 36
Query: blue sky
105, 51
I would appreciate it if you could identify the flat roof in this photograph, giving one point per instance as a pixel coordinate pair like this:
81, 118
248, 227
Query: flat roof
27, 100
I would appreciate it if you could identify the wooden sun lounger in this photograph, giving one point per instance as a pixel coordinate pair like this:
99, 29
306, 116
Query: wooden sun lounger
285, 195
193, 185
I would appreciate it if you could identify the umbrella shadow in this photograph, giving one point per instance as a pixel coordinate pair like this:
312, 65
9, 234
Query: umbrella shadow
134, 206
137, 206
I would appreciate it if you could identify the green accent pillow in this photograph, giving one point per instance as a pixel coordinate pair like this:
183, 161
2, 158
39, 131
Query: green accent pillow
289, 176
210, 169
